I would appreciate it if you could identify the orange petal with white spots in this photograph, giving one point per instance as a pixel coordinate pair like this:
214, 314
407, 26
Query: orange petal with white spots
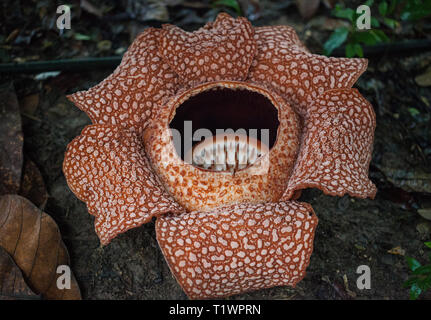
283, 63
337, 146
283, 35
238, 248
221, 50
128, 96
107, 168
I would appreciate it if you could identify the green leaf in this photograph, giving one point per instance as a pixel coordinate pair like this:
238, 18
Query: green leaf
80, 36
428, 244
393, 4
350, 50
230, 4
365, 37
354, 49
383, 35
383, 8
423, 270
413, 111
425, 283
358, 50
337, 38
344, 13
415, 291
413, 263
369, 3
379, 36
411, 281
375, 23
391, 23
416, 10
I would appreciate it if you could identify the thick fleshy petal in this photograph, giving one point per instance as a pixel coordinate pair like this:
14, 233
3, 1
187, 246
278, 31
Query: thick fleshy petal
140, 83
283, 63
284, 35
238, 248
221, 50
107, 168
337, 145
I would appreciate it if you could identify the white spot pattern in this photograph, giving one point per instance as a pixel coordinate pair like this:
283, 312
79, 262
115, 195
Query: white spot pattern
221, 50
337, 146
141, 82
246, 263
238, 247
284, 64
115, 180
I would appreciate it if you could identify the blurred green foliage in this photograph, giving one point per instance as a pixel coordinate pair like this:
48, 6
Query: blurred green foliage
390, 15
420, 280
230, 4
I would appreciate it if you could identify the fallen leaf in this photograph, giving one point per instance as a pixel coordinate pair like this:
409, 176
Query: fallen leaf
11, 141
12, 36
412, 180
91, 8
32, 184
346, 286
424, 229
425, 213
46, 75
425, 100
104, 45
307, 8
12, 283
34, 242
397, 251
424, 80
359, 247
29, 103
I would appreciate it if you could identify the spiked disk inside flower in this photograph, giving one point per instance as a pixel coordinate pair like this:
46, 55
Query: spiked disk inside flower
227, 152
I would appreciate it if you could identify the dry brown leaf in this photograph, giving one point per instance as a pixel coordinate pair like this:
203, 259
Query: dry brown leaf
397, 251
346, 286
29, 104
12, 284
11, 141
32, 184
34, 242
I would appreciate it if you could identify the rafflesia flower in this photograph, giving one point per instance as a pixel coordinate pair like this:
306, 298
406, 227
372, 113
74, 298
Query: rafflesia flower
223, 228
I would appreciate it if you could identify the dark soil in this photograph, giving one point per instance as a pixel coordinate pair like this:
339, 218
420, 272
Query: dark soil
351, 232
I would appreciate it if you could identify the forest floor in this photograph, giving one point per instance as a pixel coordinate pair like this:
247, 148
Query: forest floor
351, 232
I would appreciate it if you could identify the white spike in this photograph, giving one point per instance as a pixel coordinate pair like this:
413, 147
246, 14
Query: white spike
227, 152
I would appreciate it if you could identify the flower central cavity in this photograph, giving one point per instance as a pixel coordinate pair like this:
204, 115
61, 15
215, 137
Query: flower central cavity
224, 128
